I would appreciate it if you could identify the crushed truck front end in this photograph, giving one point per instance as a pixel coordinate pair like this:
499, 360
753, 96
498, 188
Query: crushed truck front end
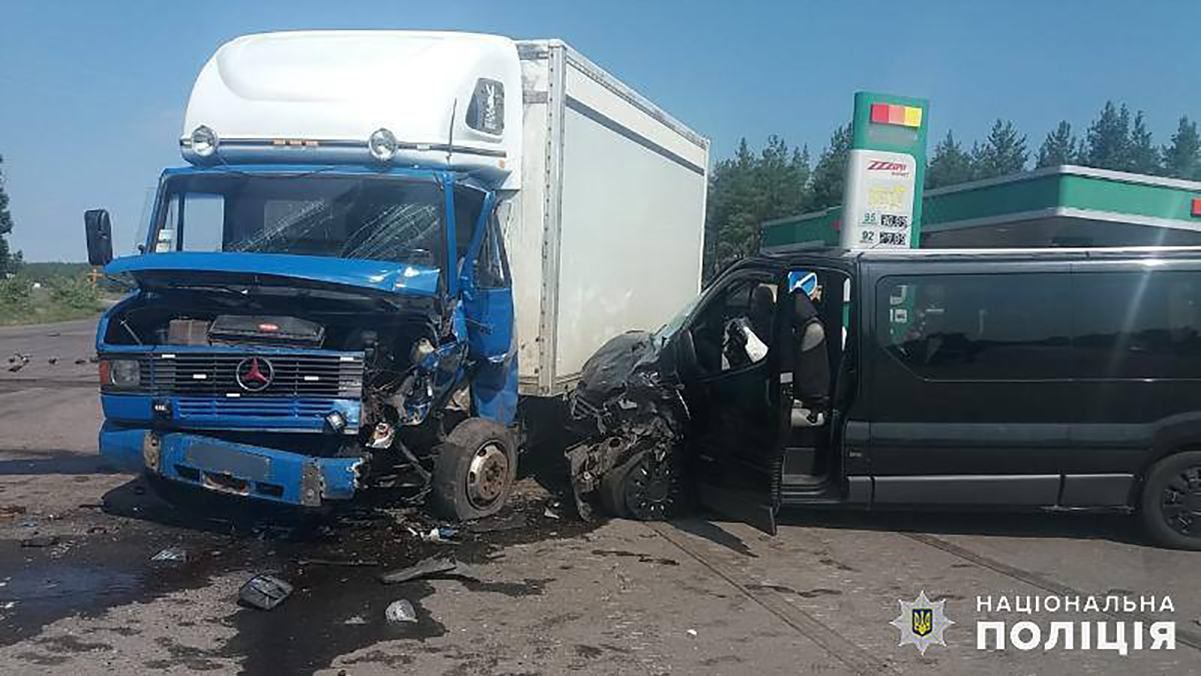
183, 413
293, 335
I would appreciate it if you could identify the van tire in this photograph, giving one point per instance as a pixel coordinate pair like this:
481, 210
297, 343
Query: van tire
474, 470
624, 489
1173, 480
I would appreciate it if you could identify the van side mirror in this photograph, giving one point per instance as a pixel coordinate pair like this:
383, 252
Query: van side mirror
99, 231
686, 364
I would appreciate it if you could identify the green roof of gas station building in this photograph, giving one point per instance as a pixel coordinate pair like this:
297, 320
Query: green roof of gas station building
1065, 205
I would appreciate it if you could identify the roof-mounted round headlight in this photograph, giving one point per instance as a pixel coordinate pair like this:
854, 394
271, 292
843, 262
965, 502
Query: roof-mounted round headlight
204, 141
382, 145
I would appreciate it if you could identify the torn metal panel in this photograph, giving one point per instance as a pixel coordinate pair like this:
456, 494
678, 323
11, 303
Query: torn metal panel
627, 404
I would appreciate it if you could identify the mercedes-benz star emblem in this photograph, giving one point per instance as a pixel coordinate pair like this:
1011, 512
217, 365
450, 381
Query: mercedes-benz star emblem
254, 374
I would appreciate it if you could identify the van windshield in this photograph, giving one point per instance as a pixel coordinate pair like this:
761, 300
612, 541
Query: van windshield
377, 218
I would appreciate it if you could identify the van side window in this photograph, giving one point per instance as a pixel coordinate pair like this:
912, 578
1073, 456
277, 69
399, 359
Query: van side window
977, 327
1138, 324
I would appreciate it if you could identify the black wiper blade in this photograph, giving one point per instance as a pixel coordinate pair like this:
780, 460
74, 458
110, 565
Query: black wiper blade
224, 288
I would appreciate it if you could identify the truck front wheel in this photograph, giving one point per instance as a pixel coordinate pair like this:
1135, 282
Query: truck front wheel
474, 470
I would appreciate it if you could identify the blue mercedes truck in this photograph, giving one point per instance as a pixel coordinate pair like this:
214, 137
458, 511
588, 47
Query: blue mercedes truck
383, 245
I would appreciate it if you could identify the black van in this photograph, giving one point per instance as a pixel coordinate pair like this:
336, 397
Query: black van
1049, 379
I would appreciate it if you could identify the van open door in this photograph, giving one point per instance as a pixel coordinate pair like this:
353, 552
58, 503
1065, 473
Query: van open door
734, 395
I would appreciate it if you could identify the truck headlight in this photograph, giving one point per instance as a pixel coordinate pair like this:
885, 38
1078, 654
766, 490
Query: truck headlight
421, 349
124, 373
204, 141
382, 145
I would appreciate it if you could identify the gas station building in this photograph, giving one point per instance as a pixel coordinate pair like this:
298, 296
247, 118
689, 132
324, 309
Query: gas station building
1053, 206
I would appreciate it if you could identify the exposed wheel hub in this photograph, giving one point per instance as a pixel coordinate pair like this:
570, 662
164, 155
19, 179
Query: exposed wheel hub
487, 475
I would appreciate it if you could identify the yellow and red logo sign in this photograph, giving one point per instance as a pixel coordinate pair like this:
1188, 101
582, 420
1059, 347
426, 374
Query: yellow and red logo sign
892, 113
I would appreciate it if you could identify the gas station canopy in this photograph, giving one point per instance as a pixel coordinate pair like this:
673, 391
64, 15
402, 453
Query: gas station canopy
1054, 206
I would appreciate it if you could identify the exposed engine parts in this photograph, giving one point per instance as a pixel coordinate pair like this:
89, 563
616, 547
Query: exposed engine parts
632, 420
406, 378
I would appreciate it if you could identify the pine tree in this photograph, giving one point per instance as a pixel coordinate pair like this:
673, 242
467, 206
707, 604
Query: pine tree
1108, 143
1060, 147
1002, 153
829, 174
779, 186
950, 164
7, 262
1144, 156
748, 189
1182, 158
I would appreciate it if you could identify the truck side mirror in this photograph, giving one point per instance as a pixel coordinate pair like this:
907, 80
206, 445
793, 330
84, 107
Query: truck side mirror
99, 230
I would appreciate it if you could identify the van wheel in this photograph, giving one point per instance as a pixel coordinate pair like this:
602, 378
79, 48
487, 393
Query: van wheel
474, 470
645, 488
1171, 501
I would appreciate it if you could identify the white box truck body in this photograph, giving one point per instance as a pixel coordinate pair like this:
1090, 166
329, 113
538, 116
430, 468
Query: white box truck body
606, 232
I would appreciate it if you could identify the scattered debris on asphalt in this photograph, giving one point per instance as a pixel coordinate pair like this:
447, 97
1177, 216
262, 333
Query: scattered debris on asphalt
400, 611
11, 511
18, 361
174, 554
357, 619
52, 361
80, 361
338, 562
264, 592
692, 633
433, 566
442, 535
40, 541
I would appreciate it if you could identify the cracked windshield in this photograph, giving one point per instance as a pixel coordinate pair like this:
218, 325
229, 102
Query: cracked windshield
312, 216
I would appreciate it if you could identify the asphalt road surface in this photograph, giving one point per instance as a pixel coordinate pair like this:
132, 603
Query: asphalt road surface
79, 593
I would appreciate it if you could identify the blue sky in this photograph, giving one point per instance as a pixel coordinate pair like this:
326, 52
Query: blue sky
92, 93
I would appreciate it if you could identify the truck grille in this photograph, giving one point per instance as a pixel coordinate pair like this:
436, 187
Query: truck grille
289, 375
206, 407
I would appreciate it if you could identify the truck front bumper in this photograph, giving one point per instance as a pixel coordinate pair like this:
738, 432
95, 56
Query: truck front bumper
233, 468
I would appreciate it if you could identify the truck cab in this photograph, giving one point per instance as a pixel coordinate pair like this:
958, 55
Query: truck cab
323, 300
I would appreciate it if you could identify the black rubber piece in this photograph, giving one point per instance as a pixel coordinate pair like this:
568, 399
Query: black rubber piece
1169, 480
448, 490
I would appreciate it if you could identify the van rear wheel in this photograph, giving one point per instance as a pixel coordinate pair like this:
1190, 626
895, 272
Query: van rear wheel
1170, 506
474, 470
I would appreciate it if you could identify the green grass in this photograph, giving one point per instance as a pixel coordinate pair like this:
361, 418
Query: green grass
58, 299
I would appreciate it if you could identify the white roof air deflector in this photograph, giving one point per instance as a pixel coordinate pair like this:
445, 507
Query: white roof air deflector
449, 99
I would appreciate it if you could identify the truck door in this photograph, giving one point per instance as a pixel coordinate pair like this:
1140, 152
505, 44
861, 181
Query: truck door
734, 399
487, 295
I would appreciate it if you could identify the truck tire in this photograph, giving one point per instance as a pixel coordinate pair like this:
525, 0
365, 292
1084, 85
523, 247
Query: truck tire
1170, 505
644, 488
474, 470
